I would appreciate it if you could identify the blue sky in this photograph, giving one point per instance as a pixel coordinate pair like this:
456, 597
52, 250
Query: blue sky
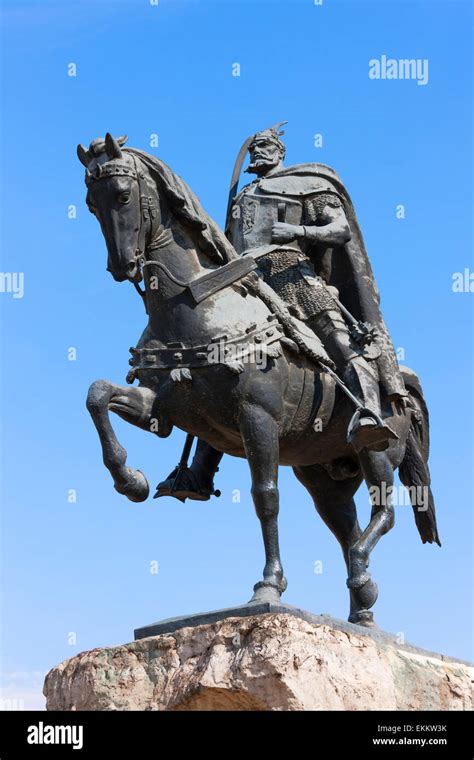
84, 567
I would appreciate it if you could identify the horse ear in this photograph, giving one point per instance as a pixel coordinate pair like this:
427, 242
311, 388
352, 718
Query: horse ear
83, 155
112, 147
122, 140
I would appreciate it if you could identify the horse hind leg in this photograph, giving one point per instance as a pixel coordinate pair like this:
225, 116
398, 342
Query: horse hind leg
260, 438
378, 475
135, 405
335, 504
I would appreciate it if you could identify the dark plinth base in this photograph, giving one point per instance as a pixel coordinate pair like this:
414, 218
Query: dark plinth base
202, 618
264, 608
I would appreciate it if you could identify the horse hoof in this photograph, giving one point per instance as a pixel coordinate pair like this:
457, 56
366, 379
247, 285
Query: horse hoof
367, 595
364, 618
364, 589
266, 592
136, 488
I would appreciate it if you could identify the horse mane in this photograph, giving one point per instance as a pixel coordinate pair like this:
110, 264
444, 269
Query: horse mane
187, 208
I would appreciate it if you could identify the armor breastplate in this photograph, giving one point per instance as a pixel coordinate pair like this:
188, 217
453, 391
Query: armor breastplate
251, 226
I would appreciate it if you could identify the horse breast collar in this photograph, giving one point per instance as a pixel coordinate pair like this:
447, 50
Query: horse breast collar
257, 342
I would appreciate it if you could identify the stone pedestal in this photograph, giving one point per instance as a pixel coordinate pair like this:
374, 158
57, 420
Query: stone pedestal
267, 661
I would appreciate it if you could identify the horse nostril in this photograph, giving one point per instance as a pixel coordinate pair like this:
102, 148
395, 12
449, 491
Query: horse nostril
131, 266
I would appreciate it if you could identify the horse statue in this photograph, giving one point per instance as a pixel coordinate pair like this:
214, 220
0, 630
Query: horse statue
258, 395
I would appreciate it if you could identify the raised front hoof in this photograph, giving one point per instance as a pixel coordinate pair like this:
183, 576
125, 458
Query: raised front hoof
363, 617
136, 487
266, 591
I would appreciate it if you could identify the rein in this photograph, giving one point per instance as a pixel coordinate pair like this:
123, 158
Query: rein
145, 207
167, 272
201, 287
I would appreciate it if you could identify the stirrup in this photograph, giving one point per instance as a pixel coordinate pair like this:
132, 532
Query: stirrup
367, 430
174, 486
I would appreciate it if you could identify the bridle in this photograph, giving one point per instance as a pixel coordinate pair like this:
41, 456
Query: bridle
147, 208
147, 213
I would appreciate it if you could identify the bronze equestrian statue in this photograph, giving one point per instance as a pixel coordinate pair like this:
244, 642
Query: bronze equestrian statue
291, 282
292, 221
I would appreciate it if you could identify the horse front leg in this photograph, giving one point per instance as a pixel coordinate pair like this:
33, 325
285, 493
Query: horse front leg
135, 405
260, 438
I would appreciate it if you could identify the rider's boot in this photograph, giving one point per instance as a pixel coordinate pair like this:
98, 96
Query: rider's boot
366, 428
194, 482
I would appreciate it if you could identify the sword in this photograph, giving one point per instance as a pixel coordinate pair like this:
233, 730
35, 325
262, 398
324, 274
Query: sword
234, 182
362, 332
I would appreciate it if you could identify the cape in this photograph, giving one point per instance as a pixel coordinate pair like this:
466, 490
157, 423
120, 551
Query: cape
348, 268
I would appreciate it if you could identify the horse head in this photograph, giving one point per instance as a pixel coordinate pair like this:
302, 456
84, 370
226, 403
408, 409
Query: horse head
121, 196
134, 196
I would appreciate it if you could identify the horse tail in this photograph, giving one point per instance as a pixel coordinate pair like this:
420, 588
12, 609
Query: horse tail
414, 471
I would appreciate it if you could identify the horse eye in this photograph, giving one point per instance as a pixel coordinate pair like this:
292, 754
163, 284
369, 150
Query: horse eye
124, 197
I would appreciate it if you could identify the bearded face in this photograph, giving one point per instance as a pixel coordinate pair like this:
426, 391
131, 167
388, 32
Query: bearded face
264, 155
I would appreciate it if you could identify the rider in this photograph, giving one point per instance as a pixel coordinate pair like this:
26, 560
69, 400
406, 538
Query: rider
300, 226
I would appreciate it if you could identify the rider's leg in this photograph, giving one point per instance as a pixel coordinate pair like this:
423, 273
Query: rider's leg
367, 431
205, 463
